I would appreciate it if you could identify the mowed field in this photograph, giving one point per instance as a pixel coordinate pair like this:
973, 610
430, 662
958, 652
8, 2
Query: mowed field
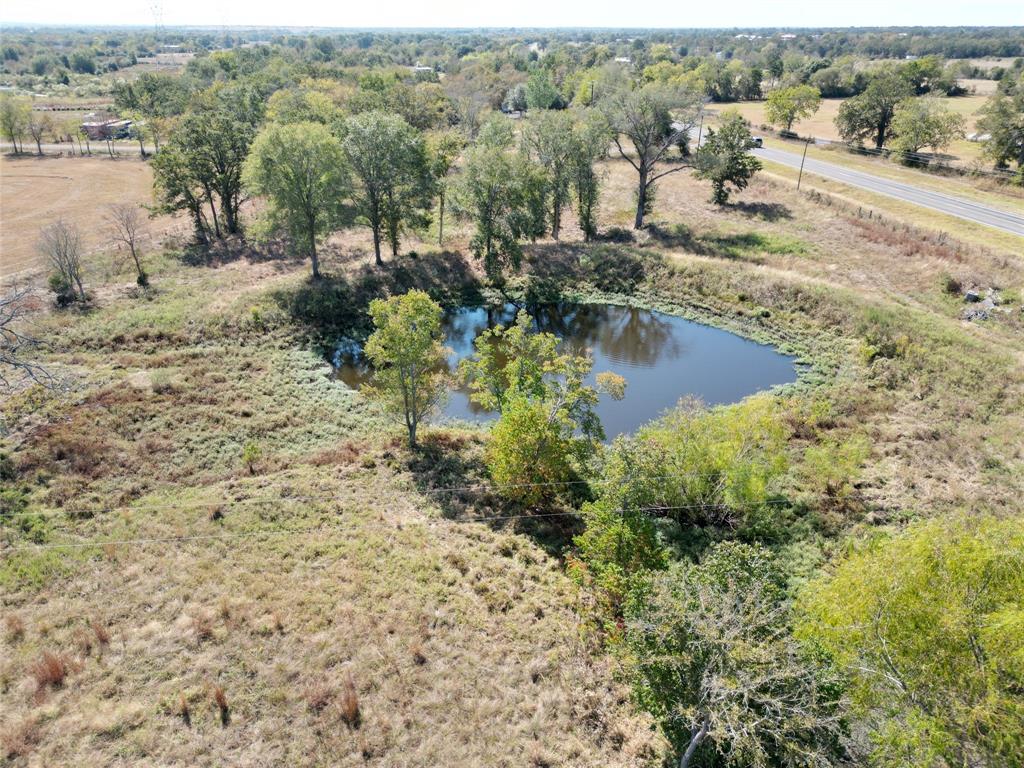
36, 191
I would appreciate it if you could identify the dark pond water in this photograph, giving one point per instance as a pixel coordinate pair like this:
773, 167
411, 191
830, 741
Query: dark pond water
662, 357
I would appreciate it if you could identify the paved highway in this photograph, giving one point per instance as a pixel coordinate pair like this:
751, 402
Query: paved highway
954, 206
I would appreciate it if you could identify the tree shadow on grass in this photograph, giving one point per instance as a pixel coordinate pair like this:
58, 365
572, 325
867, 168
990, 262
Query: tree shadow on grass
742, 246
448, 468
336, 305
234, 248
766, 211
550, 268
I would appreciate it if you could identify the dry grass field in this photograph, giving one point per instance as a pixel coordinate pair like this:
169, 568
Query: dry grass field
35, 191
338, 600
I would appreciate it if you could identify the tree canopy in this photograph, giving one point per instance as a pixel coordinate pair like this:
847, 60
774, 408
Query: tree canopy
300, 168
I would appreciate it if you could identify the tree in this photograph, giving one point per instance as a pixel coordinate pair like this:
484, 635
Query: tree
14, 118
652, 118
177, 188
786, 106
515, 99
503, 194
550, 140
547, 426
300, 168
725, 157
61, 244
126, 223
708, 470
152, 94
591, 137
388, 161
15, 305
443, 150
407, 354
1002, 118
40, 125
870, 114
304, 105
925, 122
154, 100
930, 625
710, 656
83, 61
213, 141
541, 93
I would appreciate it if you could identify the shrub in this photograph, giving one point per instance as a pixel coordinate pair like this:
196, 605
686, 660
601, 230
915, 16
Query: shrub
832, 468
220, 700
251, 454
14, 627
349, 704
951, 285
64, 292
8, 471
49, 671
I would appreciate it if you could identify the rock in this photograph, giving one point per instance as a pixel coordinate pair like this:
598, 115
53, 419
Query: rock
972, 296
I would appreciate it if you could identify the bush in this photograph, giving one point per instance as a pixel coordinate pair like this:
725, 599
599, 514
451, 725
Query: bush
831, 468
62, 289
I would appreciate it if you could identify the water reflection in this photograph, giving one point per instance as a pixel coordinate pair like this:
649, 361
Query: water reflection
662, 357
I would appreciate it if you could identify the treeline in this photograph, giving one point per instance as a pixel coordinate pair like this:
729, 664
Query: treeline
393, 152
39, 57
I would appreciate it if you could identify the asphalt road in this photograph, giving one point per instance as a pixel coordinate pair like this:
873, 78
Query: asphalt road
954, 206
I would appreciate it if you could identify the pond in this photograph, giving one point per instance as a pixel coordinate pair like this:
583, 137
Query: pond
662, 357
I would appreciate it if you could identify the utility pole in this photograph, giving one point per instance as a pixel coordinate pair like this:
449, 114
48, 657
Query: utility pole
700, 131
801, 176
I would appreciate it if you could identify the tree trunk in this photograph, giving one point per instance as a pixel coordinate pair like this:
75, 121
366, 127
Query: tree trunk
142, 148
880, 135
695, 741
227, 207
440, 219
641, 200
39, 148
313, 255
376, 246
135, 258
556, 219
216, 224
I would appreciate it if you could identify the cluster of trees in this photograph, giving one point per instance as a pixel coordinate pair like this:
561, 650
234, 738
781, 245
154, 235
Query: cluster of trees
385, 155
546, 429
890, 108
1002, 118
908, 652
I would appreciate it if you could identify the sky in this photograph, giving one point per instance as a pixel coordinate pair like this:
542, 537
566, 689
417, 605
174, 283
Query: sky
520, 13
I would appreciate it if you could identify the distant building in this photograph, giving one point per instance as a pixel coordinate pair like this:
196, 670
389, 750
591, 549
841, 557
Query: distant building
623, 60
101, 130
